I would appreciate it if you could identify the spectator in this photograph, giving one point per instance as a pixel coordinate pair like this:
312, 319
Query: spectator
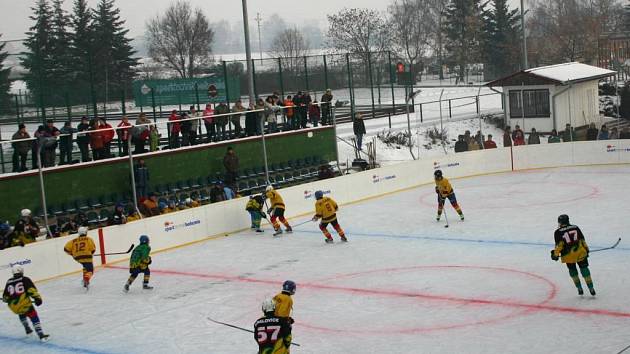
553, 138
192, 203
140, 133
467, 136
250, 120
613, 134
289, 113
39, 136
81, 219
603, 133
20, 148
489, 144
186, 127
507, 137
65, 143
221, 120
154, 138
533, 138
298, 102
231, 164
591, 132
194, 124
123, 135
461, 145
50, 145
479, 138
325, 172
96, 141
108, 135
228, 192
472, 145
260, 117
83, 139
270, 114
164, 209
6, 235
67, 226
569, 133
625, 133
518, 137
358, 126
26, 229
306, 103
174, 128
141, 175
314, 113
327, 107
516, 131
238, 110
216, 193
132, 215
208, 122
118, 217
149, 206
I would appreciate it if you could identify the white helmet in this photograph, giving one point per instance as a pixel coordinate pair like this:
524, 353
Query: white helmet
268, 305
269, 188
188, 201
17, 269
26, 212
83, 231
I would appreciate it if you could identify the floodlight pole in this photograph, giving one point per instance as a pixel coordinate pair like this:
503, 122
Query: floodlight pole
525, 64
410, 98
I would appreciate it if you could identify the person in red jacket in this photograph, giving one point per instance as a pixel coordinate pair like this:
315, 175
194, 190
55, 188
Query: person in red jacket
123, 135
518, 137
174, 128
208, 121
314, 113
108, 136
96, 141
489, 144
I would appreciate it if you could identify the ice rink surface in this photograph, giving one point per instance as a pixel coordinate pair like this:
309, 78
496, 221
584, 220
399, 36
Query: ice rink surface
403, 284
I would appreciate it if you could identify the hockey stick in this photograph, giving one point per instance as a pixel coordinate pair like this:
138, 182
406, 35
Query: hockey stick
111, 254
241, 328
302, 223
444, 211
607, 248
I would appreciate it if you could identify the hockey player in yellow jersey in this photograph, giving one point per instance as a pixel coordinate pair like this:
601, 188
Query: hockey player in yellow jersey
20, 293
284, 302
326, 209
82, 250
444, 190
272, 333
276, 210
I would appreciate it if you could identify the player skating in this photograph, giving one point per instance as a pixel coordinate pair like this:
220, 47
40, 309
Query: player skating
19, 294
276, 210
571, 248
272, 333
284, 301
82, 249
444, 190
139, 263
326, 209
255, 208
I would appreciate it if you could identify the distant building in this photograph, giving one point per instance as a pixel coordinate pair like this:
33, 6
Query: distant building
614, 53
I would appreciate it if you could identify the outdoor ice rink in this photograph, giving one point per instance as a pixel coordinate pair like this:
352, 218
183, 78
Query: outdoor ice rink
403, 284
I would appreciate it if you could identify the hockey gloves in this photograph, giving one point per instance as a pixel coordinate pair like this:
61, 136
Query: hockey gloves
553, 255
38, 301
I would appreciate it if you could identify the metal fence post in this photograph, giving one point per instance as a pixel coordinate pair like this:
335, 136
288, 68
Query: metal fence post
326, 73
350, 86
197, 95
369, 60
421, 119
477, 102
227, 95
123, 101
153, 105
391, 80
306, 74
41, 184
254, 76
450, 113
280, 77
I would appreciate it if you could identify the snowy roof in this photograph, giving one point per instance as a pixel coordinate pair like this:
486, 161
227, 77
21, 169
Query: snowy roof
558, 74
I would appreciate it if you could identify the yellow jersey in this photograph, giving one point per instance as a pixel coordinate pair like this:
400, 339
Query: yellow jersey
18, 293
275, 199
326, 209
443, 187
284, 305
81, 249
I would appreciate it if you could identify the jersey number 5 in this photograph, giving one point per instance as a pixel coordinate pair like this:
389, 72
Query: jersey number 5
570, 236
18, 289
263, 333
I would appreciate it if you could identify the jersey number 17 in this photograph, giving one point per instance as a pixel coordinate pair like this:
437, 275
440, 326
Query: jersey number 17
570, 236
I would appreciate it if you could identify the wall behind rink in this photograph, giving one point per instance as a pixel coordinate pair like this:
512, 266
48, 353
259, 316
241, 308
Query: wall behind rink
46, 259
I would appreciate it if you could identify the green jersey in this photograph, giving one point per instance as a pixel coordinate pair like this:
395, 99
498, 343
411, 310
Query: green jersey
140, 256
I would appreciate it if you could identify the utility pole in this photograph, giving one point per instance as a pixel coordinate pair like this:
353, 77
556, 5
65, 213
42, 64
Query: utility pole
525, 65
259, 19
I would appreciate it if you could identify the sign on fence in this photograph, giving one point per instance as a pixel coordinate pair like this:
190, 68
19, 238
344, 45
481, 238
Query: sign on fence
185, 91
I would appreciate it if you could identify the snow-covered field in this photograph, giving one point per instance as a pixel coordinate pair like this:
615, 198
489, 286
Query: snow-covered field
403, 284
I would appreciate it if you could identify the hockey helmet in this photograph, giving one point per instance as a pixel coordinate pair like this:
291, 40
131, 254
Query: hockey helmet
17, 269
188, 201
25, 212
269, 188
437, 174
289, 287
144, 239
319, 195
563, 219
83, 231
4, 227
268, 306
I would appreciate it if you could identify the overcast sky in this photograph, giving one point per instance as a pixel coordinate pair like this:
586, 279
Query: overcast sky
14, 13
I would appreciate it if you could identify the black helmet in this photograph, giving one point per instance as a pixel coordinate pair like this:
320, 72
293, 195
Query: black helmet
437, 174
563, 219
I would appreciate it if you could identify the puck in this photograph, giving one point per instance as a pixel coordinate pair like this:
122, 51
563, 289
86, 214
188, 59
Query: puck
445, 225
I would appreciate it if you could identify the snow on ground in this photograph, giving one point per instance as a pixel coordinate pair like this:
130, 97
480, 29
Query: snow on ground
403, 284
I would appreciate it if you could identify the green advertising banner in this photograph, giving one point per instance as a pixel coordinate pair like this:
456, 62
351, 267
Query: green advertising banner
185, 91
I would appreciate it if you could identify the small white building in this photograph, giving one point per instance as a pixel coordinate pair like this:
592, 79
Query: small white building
553, 96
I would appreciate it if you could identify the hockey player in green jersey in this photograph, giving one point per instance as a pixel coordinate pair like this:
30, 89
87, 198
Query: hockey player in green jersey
139, 263
254, 207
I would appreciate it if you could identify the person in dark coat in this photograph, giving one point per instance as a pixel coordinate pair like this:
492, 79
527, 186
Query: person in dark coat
50, 145
533, 138
358, 126
141, 174
507, 138
591, 132
20, 148
65, 143
83, 140
250, 121
461, 145
327, 107
231, 164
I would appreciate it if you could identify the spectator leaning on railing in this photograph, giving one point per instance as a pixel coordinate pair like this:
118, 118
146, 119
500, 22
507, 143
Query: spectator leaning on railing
314, 113
123, 135
222, 120
327, 107
65, 143
250, 120
186, 127
533, 138
569, 134
614, 134
289, 113
174, 128
461, 145
208, 122
108, 135
603, 133
507, 137
553, 137
238, 110
140, 133
20, 148
50, 145
194, 124
83, 139
96, 141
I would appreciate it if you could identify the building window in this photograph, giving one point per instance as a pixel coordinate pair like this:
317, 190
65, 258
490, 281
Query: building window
536, 104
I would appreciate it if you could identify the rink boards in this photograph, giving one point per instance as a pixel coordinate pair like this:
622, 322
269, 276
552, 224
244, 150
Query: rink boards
46, 259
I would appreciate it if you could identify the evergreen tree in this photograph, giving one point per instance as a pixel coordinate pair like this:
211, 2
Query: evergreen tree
463, 28
38, 59
501, 44
5, 84
82, 50
60, 44
114, 53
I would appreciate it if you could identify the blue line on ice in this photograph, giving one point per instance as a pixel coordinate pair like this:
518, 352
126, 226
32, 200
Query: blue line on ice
34, 343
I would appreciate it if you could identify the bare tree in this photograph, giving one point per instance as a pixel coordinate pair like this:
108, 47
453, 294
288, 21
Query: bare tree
358, 31
181, 39
412, 27
291, 46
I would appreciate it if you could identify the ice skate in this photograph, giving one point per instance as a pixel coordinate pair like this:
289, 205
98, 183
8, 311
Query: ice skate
329, 240
147, 287
44, 337
126, 288
278, 232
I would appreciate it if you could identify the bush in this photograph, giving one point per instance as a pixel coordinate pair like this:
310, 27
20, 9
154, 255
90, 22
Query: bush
395, 140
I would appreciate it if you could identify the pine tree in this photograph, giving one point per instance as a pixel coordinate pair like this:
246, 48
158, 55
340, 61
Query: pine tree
60, 44
38, 59
114, 53
463, 31
82, 50
5, 84
501, 44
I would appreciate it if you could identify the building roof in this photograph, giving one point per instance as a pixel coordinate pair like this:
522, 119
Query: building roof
559, 74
